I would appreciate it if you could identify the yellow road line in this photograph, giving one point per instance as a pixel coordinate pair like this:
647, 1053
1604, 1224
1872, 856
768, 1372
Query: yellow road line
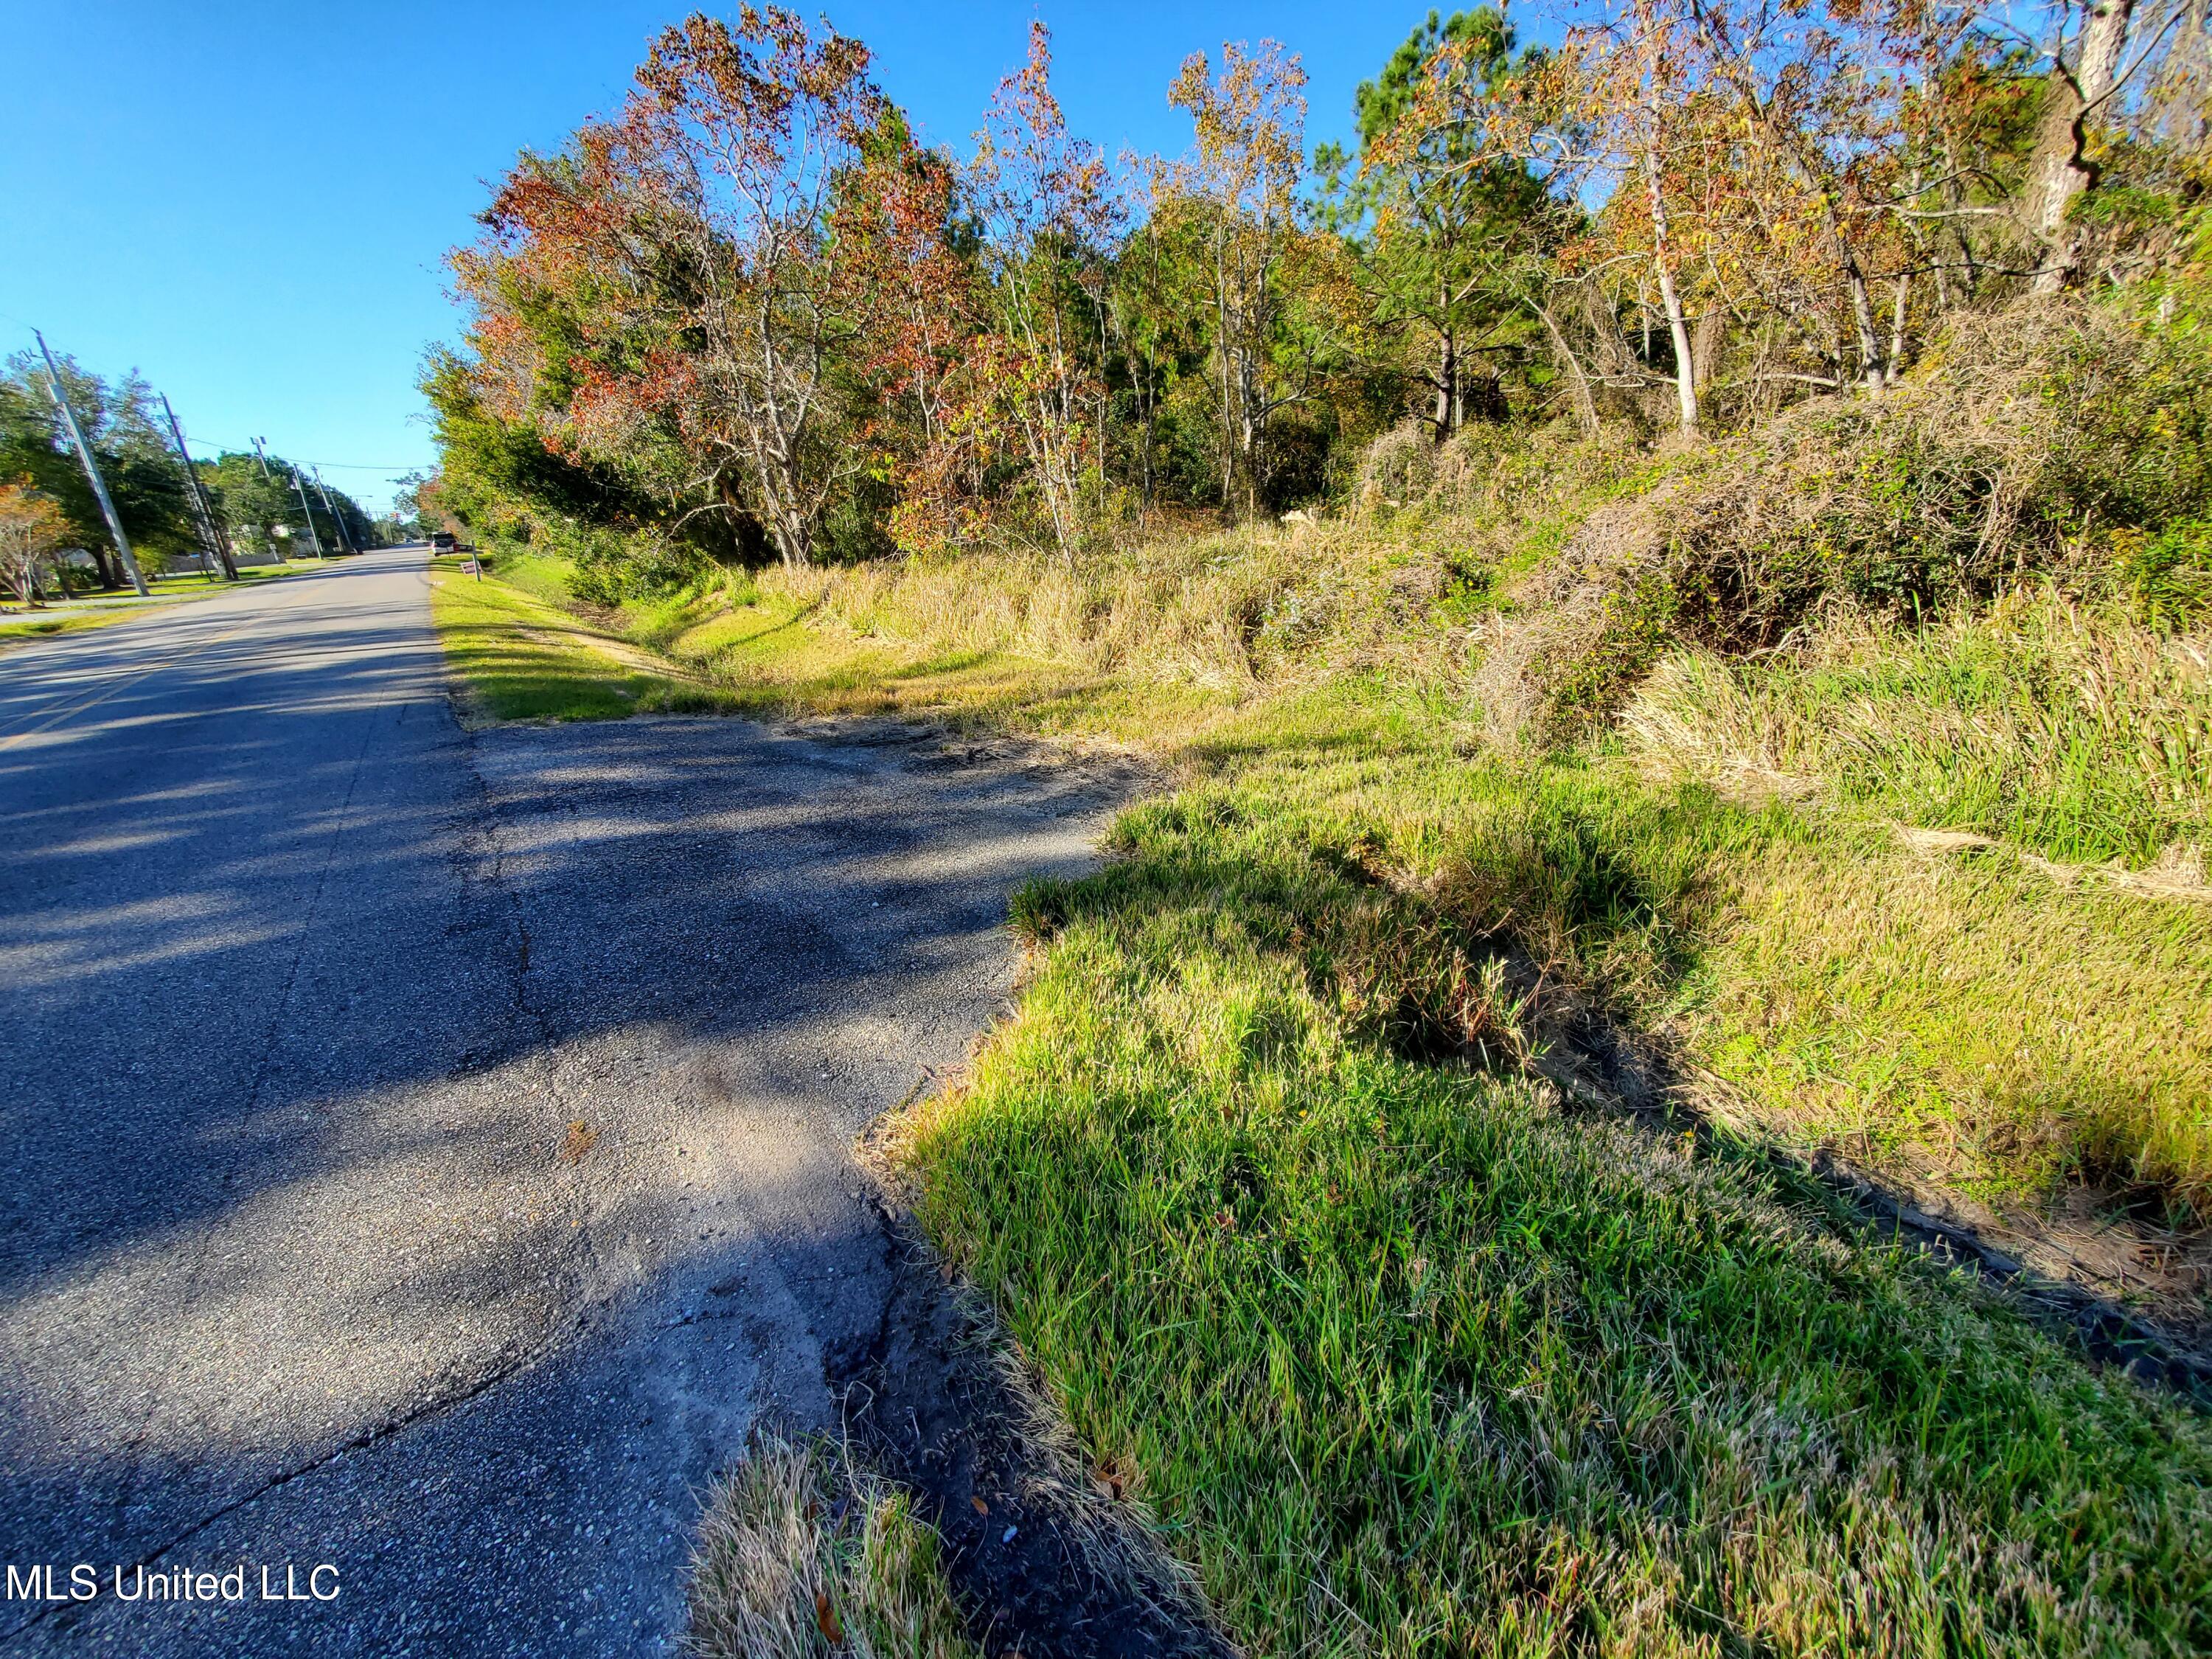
102, 695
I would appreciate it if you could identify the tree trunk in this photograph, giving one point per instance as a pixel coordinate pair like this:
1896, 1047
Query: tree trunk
1685, 372
1873, 367
1447, 415
2059, 170
1585, 402
1897, 316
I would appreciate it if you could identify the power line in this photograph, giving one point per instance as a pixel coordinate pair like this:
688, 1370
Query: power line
393, 470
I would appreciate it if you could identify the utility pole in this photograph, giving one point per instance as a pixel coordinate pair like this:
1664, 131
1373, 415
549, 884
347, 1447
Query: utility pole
91, 467
313, 540
345, 541
218, 545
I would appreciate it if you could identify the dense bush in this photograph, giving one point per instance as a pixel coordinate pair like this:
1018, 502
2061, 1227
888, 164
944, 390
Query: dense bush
2059, 441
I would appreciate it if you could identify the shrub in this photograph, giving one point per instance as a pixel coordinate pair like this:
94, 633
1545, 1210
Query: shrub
2058, 440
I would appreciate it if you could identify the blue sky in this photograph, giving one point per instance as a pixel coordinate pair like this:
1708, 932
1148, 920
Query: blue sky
250, 203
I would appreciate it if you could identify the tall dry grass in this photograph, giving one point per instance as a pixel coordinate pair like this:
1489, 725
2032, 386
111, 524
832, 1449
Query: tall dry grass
2066, 729
1264, 606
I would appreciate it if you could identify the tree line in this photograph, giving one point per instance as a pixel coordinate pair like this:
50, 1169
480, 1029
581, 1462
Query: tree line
47, 506
752, 316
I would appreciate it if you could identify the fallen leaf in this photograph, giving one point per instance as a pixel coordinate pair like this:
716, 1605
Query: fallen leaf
825, 1620
982, 1508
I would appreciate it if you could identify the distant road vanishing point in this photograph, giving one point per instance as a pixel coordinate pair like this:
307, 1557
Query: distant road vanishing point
427, 1150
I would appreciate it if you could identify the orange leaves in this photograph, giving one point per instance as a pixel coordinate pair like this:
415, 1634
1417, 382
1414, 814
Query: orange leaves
31, 527
1249, 122
28, 517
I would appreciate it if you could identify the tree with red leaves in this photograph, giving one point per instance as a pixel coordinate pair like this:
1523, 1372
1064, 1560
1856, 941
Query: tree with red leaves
686, 247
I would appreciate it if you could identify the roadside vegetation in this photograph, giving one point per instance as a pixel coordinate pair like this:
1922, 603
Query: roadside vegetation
177, 513
1658, 751
805, 1554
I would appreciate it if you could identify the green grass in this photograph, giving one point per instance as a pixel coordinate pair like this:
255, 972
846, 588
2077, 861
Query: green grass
1963, 1026
521, 659
2076, 734
34, 626
124, 607
1406, 1353
1412, 1358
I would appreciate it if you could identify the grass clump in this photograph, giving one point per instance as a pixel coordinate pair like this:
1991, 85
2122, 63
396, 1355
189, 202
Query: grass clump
2078, 735
1963, 1023
1411, 1359
802, 1555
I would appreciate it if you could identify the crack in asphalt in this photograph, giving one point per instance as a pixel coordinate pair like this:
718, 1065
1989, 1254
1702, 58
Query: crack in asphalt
204, 1239
479, 1361
372, 1437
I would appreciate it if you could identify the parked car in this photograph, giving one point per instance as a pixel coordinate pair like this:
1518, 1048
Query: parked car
443, 541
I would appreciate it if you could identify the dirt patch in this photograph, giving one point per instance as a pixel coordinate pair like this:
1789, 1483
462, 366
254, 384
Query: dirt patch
2178, 873
636, 659
1049, 1560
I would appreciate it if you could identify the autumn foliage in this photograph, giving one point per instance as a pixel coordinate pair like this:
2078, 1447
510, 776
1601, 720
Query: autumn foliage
753, 313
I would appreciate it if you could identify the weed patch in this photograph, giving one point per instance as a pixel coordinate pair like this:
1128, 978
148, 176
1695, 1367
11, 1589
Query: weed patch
803, 1554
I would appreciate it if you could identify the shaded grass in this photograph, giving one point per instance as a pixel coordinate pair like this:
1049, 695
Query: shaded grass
1965, 1024
1408, 1358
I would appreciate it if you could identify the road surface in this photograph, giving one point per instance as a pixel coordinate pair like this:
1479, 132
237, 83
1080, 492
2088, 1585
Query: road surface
426, 1150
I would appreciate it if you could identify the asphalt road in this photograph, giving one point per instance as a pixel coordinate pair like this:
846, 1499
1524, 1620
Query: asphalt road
426, 1152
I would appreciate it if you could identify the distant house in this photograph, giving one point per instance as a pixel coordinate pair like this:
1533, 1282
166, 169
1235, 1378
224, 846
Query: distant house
249, 554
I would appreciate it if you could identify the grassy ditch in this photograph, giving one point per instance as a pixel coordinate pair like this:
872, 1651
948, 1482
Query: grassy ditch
1413, 1357
1272, 1176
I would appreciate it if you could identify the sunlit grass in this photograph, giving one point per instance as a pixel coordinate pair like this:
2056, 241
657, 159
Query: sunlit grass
1411, 1356
1414, 1360
19, 625
2079, 735
520, 658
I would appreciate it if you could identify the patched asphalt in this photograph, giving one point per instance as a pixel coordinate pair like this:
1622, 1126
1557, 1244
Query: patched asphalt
427, 1151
